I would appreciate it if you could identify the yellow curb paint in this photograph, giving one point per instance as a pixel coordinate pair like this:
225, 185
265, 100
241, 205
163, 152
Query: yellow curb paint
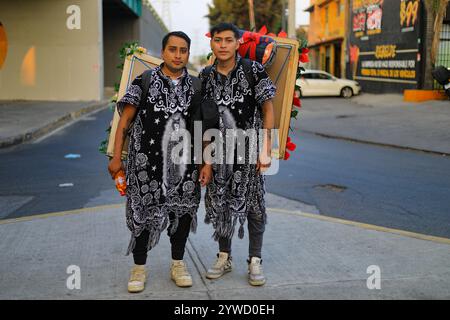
423, 95
61, 213
365, 226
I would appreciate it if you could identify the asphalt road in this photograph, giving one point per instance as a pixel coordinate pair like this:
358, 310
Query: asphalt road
384, 186
377, 185
32, 173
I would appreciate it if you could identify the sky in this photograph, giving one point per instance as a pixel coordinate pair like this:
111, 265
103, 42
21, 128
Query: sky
189, 16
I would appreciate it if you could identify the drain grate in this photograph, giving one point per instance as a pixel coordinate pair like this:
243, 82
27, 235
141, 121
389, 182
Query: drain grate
332, 187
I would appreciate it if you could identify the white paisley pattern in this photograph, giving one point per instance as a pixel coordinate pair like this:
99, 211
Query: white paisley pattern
236, 189
159, 192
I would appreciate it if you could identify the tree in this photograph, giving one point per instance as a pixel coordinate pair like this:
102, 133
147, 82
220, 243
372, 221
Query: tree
437, 8
267, 12
302, 32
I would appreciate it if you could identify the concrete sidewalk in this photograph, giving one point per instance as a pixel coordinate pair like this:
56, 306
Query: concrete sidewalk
22, 121
380, 119
306, 256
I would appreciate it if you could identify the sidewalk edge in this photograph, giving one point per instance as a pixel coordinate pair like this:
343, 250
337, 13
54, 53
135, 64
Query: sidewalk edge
333, 136
39, 132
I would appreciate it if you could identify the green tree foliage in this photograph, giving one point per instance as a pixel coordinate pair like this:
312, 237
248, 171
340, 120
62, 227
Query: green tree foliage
267, 12
301, 32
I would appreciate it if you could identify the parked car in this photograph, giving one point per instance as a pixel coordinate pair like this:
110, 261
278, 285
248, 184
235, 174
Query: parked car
321, 83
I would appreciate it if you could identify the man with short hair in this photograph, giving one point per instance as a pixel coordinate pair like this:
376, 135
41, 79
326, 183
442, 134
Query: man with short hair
160, 190
243, 93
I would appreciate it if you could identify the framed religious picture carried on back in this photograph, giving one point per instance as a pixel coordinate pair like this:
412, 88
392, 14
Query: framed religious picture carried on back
134, 65
280, 60
283, 72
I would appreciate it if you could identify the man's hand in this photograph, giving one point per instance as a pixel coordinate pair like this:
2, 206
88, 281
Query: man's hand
205, 175
265, 159
128, 114
263, 164
115, 165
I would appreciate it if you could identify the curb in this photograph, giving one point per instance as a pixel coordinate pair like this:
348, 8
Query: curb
57, 123
331, 136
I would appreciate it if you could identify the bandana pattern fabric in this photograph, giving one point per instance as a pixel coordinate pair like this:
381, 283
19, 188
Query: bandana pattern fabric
236, 189
159, 191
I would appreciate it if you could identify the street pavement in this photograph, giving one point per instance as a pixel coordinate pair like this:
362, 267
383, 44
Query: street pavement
306, 255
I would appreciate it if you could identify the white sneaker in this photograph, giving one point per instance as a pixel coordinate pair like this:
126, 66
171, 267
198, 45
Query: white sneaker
255, 272
222, 265
180, 274
137, 280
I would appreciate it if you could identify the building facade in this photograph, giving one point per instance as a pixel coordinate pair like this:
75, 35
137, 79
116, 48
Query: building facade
383, 44
67, 50
327, 35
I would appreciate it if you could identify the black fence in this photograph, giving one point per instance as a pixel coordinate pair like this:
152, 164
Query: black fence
443, 58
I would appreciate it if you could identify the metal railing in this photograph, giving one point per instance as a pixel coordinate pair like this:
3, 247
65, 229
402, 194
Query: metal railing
443, 58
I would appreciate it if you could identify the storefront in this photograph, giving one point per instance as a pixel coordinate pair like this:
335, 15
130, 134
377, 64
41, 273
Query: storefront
327, 35
327, 56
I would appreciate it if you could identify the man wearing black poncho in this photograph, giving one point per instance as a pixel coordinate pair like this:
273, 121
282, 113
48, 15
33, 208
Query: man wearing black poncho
242, 91
161, 190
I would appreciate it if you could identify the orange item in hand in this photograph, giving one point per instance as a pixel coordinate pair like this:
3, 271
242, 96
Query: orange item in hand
121, 182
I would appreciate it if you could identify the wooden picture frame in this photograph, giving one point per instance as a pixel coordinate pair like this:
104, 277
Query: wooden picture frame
283, 73
134, 65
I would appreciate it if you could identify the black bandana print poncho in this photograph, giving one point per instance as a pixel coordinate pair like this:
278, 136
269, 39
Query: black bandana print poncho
236, 189
159, 191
